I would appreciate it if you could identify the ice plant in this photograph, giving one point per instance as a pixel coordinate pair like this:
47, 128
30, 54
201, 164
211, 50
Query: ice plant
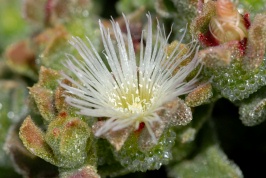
130, 89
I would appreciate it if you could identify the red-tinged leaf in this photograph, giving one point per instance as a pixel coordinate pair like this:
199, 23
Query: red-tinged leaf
33, 139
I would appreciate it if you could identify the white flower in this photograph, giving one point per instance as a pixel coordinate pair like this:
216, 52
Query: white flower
130, 88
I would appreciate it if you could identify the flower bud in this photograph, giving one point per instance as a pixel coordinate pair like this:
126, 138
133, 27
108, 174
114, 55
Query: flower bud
228, 24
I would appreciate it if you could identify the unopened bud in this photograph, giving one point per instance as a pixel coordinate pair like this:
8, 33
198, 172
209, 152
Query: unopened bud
228, 24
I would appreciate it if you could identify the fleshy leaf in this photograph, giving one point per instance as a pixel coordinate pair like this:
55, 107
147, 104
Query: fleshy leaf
25, 163
33, 139
201, 22
176, 113
53, 46
48, 78
43, 93
236, 83
13, 108
60, 103
256, 44
44, 101
21, 58
134, 158
200, 95
34, 11
86, 171
253, 110
220, 56
209, 163
68, 137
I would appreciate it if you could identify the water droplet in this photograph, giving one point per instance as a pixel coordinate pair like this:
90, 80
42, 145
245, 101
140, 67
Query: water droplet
182, 30
166, 155
11, 115
85, 13
240, 9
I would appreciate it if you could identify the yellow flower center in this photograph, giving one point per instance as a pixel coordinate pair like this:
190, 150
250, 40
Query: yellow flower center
133, 98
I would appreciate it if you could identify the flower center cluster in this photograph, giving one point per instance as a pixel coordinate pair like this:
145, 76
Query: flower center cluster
133, 97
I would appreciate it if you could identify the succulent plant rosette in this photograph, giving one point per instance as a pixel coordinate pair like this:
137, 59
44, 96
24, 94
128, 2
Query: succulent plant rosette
109, 98
234, 55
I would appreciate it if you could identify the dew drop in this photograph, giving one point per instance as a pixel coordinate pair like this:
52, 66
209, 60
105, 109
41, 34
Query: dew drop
10, 115
85, 13
166, 155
